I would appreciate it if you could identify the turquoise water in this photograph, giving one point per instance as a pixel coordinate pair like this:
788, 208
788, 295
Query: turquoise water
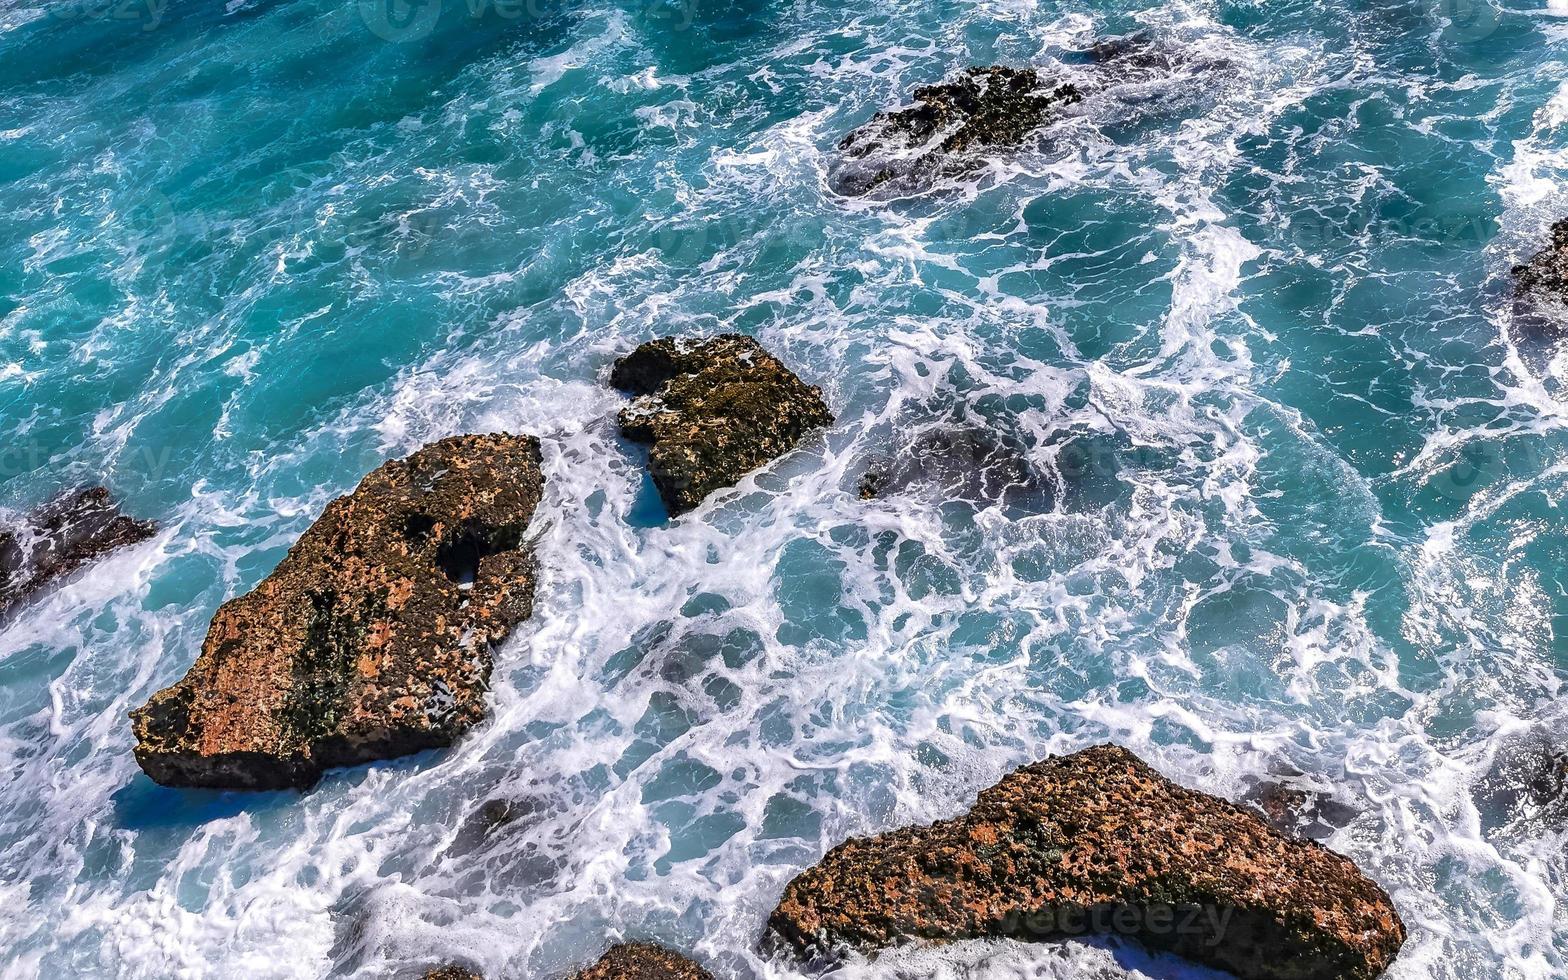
1299, 494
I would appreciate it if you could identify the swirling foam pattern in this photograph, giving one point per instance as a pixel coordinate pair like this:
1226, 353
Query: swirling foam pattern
1296, 486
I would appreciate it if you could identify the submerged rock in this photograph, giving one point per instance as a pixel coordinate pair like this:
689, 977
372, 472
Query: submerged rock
1527, 785
643, 961
983, 108
712, 411
490, 820
959, 463
1293, 807
1138, 55
1098, 842
371, 639
1541, 284
59, 539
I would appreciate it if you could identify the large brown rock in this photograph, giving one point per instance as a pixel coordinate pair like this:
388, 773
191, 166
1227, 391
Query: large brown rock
712, 411
643, 961
59, 539
1098, 842
371, 639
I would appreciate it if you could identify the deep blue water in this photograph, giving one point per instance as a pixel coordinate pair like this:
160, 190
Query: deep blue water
1301, 480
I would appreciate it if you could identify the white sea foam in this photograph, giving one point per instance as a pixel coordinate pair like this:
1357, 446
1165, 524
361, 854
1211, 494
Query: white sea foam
699, 709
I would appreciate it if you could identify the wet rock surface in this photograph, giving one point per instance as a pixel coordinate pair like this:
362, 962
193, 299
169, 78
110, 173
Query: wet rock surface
1541, 284
1098, 842
1141, 57
643, 961
513, 846
452, 973
982, 108
958, 463
1293, 806
59, 539
1526, 785
952, 126
491, 820
712, 411
371, 639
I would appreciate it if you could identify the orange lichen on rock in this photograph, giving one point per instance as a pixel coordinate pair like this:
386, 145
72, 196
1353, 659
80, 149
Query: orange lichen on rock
643, 961
1098, 842
371, 639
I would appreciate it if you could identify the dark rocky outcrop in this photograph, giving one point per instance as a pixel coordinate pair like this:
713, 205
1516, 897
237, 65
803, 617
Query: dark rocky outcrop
980, 109
1098, 842
59, 539
712, 411
643, 961
452, 973
1541, 284
952, 126
371, 639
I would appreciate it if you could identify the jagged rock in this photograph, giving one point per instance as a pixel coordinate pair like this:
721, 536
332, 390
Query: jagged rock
959, 463
982, 108
712, 411
59, 539
643, 961
1541, 284
951, 126
1098, 842
371, 639
452, 973
1293, 807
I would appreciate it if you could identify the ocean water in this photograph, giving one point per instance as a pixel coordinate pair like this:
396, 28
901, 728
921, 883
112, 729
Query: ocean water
1295, 480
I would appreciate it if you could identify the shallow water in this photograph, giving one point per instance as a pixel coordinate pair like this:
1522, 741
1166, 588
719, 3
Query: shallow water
1295, 495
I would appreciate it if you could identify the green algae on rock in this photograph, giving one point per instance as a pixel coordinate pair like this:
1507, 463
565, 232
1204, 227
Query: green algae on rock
371, 639
712, 411
643, 961
1098, 842
982, 108
59, 539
